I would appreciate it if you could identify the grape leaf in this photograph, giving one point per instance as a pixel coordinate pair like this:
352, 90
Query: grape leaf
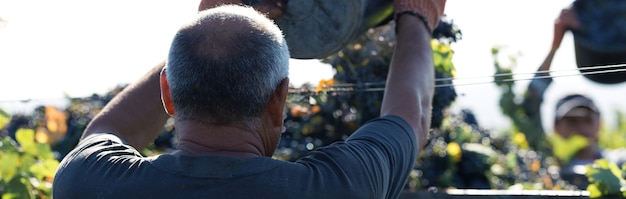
565, 148
46, 168
25, 137
18, 188
4, 119
605, 179
8, 164
442, 57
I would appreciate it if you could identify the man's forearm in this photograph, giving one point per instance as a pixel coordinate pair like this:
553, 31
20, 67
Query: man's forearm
136, 114
410, 83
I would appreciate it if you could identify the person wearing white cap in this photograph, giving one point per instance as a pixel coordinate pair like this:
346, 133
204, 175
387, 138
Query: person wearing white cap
577, 121
577, 115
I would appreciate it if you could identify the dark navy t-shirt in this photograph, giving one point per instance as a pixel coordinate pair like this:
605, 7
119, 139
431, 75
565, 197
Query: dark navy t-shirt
374, 162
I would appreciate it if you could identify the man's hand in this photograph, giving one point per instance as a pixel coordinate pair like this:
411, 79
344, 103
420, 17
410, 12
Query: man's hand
208, 4
271, 8
567, 20
430, 10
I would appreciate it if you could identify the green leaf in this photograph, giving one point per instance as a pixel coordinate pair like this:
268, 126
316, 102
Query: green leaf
565, 148
24, 168
39, 150
511, 160
4, 119
594, 191
604, 178
45, 168
19, 187
43, 151
38, 171
442, 58
495, 50
25, 137
24, 164
8, 166
8, 145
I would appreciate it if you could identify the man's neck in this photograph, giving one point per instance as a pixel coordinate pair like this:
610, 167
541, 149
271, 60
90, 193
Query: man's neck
201, 139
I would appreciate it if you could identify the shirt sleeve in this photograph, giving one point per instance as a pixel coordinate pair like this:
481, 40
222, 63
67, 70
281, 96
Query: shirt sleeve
393, 139
534, 96
95, 161
374, 161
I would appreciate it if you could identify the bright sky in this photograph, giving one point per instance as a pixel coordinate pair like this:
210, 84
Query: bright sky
76, 47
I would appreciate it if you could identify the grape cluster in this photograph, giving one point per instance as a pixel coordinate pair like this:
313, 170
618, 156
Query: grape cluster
363, 66
463, 155
442, 99
446, 29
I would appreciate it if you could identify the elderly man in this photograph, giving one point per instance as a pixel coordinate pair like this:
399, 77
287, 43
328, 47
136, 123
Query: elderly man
225, 83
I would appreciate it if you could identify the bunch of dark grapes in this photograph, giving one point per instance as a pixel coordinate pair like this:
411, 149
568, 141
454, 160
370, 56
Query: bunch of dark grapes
462, 155
445, 93
446, 29
442, 99
363, 66
17, 121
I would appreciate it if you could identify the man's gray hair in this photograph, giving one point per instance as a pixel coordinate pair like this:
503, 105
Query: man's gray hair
224, 66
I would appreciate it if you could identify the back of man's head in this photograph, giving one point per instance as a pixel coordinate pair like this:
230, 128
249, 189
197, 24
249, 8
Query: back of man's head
224, 66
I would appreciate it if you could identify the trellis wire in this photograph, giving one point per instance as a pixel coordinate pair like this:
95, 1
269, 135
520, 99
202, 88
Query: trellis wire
379, 86
367, 86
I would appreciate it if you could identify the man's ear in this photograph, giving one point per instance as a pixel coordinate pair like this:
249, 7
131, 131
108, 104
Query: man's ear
277, 102
166, 96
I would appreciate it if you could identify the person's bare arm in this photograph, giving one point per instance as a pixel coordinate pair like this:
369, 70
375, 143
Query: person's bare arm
136, 114
533, 98
410, 82
567, 20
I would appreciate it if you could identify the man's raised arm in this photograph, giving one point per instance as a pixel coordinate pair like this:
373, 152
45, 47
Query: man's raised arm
410, 83
136, 114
